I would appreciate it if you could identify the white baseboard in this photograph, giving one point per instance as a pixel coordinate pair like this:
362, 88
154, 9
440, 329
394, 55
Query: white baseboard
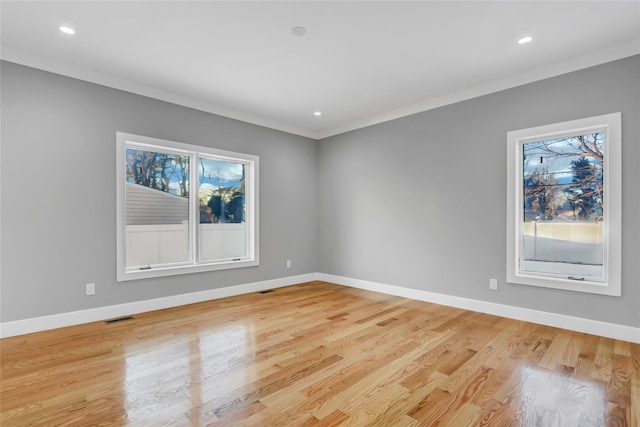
609, 330
37, 324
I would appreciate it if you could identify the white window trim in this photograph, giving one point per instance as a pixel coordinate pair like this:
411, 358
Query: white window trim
124, 140
612, 124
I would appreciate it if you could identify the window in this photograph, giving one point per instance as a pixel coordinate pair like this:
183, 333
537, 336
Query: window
183, 208
564, 205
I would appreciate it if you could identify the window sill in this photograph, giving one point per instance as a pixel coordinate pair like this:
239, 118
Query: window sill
587, 286
184, 269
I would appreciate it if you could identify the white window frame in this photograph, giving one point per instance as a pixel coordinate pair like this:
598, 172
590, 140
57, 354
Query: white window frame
193, 265
611, 124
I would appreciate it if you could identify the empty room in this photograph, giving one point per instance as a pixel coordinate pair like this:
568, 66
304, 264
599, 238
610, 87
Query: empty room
320, 213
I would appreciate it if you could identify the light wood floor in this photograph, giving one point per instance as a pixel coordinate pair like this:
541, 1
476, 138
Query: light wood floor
318, 354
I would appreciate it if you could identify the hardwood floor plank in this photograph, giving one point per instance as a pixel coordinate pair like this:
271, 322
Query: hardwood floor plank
333, 419
635, 385
465, 416
318, 354
619, 389
463, 394
358, 393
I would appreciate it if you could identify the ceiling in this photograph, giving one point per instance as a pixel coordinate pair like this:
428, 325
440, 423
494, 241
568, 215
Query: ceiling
359, 62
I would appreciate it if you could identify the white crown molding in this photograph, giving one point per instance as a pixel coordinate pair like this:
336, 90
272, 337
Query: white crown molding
586, 61
575, 64
44, 323
609, 330
137, 88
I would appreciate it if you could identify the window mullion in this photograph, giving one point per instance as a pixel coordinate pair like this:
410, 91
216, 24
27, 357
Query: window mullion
194, 228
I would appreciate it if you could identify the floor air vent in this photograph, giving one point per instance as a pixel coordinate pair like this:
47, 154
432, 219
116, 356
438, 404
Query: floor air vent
118, 319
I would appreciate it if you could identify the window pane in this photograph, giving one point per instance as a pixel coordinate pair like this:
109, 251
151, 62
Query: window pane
223, 233
563, 206
157, 208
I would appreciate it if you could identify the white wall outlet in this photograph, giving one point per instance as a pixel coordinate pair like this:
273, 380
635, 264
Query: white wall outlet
493, 284
90, 288
288, 263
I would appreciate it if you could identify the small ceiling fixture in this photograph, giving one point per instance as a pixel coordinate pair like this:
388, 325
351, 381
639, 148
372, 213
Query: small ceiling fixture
298, 31
67, 30
525, 40
317, 113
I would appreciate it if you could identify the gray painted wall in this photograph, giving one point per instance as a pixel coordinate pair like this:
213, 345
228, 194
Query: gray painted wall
420, 202
388, 203
58, 193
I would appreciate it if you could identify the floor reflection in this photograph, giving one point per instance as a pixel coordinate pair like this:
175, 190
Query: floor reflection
181, 378
558, 398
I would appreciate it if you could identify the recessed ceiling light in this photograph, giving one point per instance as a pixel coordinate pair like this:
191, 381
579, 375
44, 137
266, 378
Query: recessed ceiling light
67, 30
525, 40
298, 31
317, 113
